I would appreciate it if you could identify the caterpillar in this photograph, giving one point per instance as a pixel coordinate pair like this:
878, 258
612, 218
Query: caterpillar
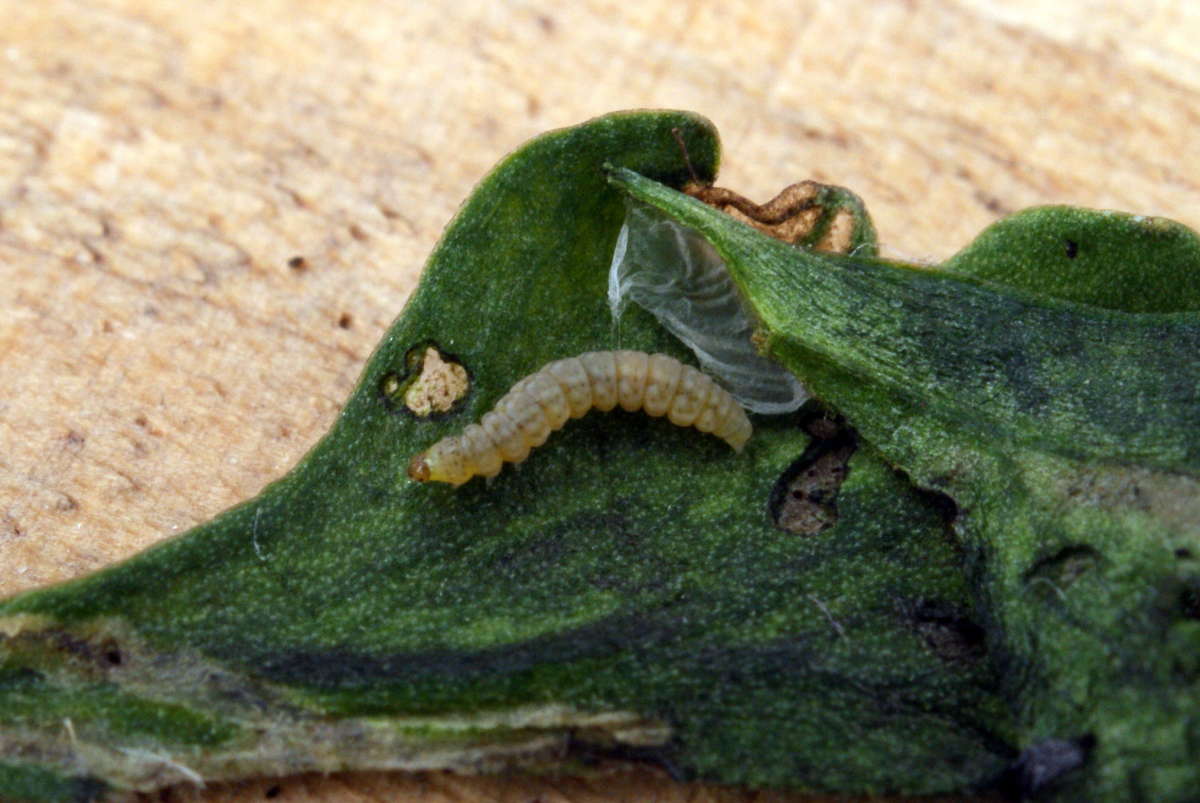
543, 401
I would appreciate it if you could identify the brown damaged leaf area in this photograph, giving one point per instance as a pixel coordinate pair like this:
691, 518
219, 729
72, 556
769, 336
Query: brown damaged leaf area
838, 238
804, 500
791, 216
441, 383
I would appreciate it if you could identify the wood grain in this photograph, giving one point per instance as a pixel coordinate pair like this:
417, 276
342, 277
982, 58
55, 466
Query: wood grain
210, 212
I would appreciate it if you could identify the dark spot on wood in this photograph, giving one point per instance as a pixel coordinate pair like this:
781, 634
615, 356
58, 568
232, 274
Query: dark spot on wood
144, 423
991, 203
392, 215
13, 525
96, 255
272, 791
547, 24
298, 264
299, 200
74, 440
357, 232
1072, 249
345, 321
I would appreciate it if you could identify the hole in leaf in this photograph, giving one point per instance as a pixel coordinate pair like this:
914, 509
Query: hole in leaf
433, 383
947, 629
804, 499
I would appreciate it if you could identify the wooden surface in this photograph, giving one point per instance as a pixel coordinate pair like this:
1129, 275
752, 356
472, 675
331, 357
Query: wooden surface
210, 212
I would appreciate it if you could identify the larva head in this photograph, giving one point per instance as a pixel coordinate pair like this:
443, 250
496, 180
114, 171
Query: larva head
442, 462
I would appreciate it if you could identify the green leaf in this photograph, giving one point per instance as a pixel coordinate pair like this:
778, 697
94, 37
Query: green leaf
1047, 381
1115, 260
623, 592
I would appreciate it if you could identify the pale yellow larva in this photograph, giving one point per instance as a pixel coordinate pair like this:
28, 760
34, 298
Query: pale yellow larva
542, 402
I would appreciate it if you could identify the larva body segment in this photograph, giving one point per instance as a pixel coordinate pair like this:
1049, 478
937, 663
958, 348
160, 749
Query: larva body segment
576, 387
505, 437
486, 457
542, 402
601, 368
544, 389
706, 420
662, 375
690, 394
527, 415
632, 367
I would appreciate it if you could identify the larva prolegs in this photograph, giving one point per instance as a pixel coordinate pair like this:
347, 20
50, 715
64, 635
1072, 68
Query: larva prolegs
542, 402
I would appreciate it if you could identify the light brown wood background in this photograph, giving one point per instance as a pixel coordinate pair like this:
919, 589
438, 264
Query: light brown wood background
162, 163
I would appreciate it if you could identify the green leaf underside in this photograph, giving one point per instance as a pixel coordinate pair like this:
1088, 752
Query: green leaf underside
1046, 379
348, 618
1003, 361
